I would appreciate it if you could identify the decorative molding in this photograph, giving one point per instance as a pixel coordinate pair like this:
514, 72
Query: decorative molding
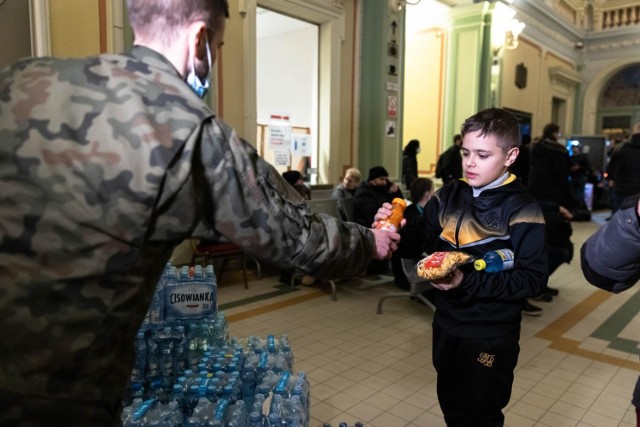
564, 75
563, 80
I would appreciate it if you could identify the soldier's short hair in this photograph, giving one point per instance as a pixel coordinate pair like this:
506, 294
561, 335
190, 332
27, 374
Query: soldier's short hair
162, 18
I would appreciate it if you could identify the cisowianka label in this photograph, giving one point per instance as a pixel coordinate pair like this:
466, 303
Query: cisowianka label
190, 300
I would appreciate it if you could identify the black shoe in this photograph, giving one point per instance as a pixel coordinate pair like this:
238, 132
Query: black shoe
545, 297
531, 310
551, 291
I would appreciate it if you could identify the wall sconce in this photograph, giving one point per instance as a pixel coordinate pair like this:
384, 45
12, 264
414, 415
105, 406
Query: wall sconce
397, 5
505, 29
513, 31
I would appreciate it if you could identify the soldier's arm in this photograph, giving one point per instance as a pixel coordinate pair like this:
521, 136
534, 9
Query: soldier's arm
247, 200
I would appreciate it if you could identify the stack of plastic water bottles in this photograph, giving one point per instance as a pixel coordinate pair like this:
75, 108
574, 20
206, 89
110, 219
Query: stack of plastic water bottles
189, 373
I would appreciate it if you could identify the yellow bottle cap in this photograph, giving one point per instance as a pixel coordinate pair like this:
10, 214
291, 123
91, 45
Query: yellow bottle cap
399, 201
479, 264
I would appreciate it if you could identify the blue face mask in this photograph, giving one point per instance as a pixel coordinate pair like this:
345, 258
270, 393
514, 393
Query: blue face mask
199, 86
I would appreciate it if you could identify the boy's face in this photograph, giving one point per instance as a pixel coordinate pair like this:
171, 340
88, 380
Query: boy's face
483, 161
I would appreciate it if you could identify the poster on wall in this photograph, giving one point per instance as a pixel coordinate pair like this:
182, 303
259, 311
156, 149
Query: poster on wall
282, 158
301, 144
279, 135
392, 106
390, 127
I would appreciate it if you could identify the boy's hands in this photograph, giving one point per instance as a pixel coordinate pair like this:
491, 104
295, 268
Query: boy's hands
383, 213
452, 281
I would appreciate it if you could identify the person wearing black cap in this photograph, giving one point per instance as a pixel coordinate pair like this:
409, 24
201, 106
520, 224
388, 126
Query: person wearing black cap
370, 195
296, 180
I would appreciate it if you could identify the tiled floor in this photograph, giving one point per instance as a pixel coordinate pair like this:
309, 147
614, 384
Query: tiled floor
578, 362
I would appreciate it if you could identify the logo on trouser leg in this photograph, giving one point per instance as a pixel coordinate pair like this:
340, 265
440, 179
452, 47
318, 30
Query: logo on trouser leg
486, 359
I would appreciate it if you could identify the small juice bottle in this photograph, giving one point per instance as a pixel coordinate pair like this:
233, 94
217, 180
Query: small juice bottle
397, 213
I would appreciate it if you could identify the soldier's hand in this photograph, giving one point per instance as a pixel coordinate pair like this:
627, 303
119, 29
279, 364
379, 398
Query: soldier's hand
386, 244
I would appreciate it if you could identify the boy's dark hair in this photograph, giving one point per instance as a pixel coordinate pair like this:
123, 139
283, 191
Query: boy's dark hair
419, 186
549, 130
497, 122
153, 17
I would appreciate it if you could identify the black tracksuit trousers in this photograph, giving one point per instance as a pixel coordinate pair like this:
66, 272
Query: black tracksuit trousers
474, 377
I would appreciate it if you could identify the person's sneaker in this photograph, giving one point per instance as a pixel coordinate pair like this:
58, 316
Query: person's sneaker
551, 291
544, 297
531, 310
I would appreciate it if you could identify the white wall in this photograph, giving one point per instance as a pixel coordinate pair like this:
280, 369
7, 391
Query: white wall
287, 76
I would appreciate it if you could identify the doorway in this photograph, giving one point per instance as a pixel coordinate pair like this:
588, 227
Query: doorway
287, 64
15, 26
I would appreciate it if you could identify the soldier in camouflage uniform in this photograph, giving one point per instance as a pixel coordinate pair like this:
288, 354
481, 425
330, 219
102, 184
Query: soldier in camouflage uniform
106, 164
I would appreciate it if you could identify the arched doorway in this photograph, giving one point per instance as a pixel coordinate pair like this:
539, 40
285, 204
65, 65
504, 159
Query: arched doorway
619, 103
591, 120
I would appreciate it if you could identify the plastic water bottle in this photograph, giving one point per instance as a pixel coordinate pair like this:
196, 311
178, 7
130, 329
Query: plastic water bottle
210, 277
156, 308
191, 400
135, 391
256, 419
177, 395
274, 420
193, 351
294, 412
237, 416
180, 349
495, 261
153, 357
248, 376
138, 372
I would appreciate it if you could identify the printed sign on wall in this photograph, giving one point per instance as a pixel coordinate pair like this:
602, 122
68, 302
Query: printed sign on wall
392, 106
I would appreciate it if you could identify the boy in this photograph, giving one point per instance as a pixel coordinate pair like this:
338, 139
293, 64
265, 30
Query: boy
476, 326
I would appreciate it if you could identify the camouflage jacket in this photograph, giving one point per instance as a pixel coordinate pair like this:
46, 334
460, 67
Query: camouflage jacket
106, 164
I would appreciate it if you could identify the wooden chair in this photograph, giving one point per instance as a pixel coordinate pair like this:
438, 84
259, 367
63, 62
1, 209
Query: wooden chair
224, 250
417, 283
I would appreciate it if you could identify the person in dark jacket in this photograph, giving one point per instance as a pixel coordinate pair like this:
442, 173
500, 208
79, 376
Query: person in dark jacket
449, 166
551, 169
610, 259
421, 190
476, 325
296, 180
410, 162
624, 173
372, 193
520, 167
